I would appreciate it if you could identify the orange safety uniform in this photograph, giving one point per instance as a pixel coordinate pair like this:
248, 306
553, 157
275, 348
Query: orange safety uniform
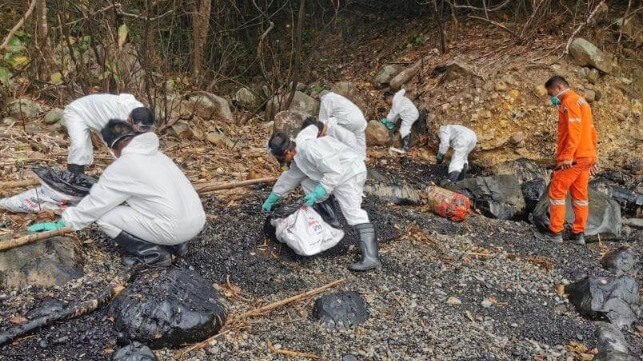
577, 140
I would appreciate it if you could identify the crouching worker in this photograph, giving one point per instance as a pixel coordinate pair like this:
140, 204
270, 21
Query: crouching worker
401, 108
142, 201
463, 140
335, 169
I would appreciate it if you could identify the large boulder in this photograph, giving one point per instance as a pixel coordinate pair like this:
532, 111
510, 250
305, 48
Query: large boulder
630, 201
169, 308
341, 309
496, 196
51, 262
386, 74
209, 106
300, 102
246, 99
621, 261
346, 89
532, 192
611, 343
23, 109
377, 133
53, 116
587, 54
599, 298
289, 122
604, 216
134, 352
405, 75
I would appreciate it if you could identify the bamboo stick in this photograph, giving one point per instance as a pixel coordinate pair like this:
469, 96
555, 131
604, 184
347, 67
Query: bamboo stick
21, 241
114, 288
261, 310
211, 187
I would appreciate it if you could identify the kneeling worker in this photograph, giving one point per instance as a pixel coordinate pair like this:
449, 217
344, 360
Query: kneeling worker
337, 170
463, 140
162, 212
401, 108
91, 113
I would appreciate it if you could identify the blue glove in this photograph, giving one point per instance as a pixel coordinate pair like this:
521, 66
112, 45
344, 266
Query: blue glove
317, 194
270, 201
388, 124
46, 226
440, 158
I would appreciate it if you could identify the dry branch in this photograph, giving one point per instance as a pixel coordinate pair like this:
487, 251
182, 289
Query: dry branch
289, 353
260, 311
78, 309
21, 241
211, 187
580, 27
18, 25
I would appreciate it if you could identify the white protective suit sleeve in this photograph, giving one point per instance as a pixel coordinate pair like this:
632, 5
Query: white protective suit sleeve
394, 113
445, 139
101, 199
328, 164
288, 181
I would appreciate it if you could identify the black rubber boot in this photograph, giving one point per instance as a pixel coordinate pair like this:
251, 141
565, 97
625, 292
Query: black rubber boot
326, 210
178, 250
76, 169
368, 245
549, 236
406, 143
454, 176
464, 172
578, 238
141, 251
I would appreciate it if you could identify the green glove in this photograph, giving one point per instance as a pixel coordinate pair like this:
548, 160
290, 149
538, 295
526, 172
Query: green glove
46, 226
388, 124
270, 201
316, 195
440, 158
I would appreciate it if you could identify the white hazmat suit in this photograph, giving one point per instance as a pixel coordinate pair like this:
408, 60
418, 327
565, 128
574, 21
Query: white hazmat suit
91, 113
345, 121
403, 108
335, 166
462, 139
162, 206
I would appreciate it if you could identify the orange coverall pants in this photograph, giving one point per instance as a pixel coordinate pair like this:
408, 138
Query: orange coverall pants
576, 181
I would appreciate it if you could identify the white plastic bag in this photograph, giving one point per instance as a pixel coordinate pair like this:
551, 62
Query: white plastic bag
306, 232
38, 199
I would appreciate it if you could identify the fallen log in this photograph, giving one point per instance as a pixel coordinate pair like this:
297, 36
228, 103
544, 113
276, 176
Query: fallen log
20, 241
116, 286
211, 187
259, 311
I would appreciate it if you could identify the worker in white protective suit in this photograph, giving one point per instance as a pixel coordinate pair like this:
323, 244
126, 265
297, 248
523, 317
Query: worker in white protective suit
462, 140
336, 169
91, 113
344, 121
142, 200
404, 109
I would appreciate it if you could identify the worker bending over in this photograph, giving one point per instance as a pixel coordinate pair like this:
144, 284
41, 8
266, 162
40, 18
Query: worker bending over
338, 114
462, 140
401, 108
335, 169
91, 113
142, 200
576, 158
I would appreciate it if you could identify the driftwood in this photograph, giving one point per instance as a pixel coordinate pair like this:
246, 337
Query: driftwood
211, 187
78, 309
260, 311
20, 241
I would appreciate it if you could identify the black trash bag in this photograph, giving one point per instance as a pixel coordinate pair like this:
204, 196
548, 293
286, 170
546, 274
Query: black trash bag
341, 309
496, 197
606, 298
604, 216
533, 191
630, 201
611, 343
134, 352
77, 185
169, 308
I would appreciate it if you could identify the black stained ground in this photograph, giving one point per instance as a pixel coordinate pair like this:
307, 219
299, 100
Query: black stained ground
233, 248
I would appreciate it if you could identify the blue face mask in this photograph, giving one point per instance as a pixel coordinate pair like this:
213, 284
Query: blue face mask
555, 101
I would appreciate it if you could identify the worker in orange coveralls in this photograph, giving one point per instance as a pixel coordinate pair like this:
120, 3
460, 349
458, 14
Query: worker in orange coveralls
575, 159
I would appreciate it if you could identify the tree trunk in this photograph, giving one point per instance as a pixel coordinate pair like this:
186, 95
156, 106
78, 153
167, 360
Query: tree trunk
298, 50
42, 29
200, 26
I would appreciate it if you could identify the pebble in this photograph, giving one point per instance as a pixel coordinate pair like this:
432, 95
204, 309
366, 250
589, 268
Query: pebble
486, 303
454, 301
